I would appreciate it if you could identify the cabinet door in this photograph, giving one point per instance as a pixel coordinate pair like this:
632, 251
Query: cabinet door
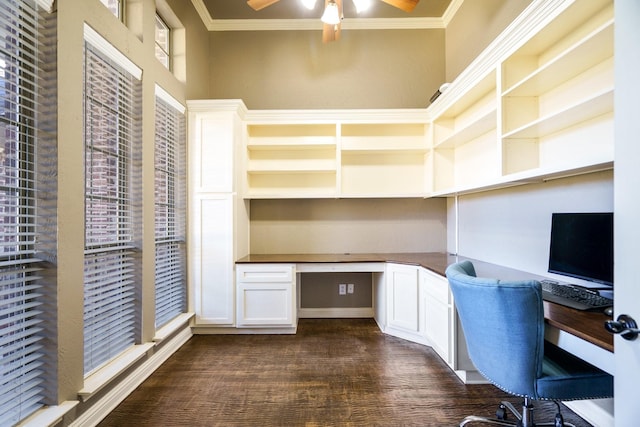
212, 259
402, 297
266, 295
437, 326
265, 304
211, 163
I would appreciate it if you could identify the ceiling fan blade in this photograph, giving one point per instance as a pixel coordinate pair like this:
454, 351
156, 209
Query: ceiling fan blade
331, 33
406, 5
260, 4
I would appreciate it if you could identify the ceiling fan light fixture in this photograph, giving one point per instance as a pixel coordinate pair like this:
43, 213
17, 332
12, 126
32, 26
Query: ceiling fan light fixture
309, 4
331, 15
362, 5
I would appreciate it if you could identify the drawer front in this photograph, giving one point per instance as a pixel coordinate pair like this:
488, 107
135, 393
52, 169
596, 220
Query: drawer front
265, 273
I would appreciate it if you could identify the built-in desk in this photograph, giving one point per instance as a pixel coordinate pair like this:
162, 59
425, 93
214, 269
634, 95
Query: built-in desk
588, 326
580, 332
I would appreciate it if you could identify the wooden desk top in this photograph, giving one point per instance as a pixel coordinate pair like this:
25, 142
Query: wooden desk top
588, 325
583, 324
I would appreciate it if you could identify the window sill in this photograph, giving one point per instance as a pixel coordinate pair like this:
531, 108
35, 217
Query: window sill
99, 379
174, 325
49, 415
102, 377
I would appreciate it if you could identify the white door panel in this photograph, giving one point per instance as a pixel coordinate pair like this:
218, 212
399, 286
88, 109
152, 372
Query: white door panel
627, 206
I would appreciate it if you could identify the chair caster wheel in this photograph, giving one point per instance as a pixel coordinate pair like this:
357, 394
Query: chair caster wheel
501, 412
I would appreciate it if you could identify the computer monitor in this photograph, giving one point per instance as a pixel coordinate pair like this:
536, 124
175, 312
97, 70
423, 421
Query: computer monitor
582, 246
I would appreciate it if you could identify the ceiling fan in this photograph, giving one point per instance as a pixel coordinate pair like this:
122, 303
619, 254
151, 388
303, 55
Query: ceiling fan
332, 15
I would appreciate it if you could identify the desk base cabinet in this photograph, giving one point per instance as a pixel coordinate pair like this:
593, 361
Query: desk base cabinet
403, 301
437, 317
266, 296
441, 326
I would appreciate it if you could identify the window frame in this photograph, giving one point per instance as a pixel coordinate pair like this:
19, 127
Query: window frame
165, 60
170, 283
112, 256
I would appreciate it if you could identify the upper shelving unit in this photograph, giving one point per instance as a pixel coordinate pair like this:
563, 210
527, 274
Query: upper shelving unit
465, 138
557, 102
383, 160
292, 160
543, 111
536, 104
361, 153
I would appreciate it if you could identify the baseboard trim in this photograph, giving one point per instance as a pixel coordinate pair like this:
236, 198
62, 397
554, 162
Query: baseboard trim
335, 312
598, 412
107, 403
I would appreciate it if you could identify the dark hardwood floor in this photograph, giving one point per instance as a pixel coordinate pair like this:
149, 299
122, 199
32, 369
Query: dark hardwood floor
333, 372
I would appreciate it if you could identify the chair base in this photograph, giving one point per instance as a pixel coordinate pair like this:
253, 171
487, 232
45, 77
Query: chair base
522, 420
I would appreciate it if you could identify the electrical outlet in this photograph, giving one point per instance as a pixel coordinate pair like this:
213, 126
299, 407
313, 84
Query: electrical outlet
350, 288
342, 289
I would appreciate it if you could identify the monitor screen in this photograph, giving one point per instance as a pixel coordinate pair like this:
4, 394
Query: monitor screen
582, 246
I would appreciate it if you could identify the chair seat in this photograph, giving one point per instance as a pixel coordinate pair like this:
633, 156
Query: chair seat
567, 377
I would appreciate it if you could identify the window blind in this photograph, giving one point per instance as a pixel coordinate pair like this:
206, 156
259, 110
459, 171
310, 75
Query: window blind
170, 196
22, 353
112, 99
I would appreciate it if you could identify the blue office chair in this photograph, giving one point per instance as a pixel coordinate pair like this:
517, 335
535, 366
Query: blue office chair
503, 324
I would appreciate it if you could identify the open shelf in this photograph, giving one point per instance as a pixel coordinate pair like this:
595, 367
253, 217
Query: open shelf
584, 54
290, 160
557, 106
383, 174
535, 105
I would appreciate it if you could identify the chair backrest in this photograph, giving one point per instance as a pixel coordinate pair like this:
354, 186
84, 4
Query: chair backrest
503, 324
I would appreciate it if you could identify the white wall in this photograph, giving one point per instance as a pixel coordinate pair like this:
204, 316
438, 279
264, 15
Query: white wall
511, 226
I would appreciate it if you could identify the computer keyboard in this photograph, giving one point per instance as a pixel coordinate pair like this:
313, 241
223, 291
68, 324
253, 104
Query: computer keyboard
573, 296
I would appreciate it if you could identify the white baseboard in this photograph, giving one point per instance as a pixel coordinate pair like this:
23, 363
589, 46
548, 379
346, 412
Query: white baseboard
335, 312
598, 412
107, 403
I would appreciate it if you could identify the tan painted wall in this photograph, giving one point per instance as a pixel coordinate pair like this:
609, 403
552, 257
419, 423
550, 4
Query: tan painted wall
348, 225
475, 25
295, 70
137, 43
364, 69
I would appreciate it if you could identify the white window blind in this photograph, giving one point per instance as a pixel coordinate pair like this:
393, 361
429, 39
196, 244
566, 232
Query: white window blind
112, 195
170, 198
22, 323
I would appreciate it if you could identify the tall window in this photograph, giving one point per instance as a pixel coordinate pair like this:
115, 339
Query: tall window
163, 44
115, 6
112, 98
22, 322
170, 198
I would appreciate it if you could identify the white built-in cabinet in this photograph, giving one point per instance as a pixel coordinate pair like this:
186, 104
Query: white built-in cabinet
218, 215
266, 296
544, 110
329, 153
437, 317
420, 308
535, 105
403, 301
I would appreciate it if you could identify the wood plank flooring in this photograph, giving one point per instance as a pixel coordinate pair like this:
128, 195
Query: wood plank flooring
333, 372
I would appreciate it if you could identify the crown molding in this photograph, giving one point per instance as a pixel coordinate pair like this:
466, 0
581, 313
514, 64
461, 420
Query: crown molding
314, 24
451, 11
402, 115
